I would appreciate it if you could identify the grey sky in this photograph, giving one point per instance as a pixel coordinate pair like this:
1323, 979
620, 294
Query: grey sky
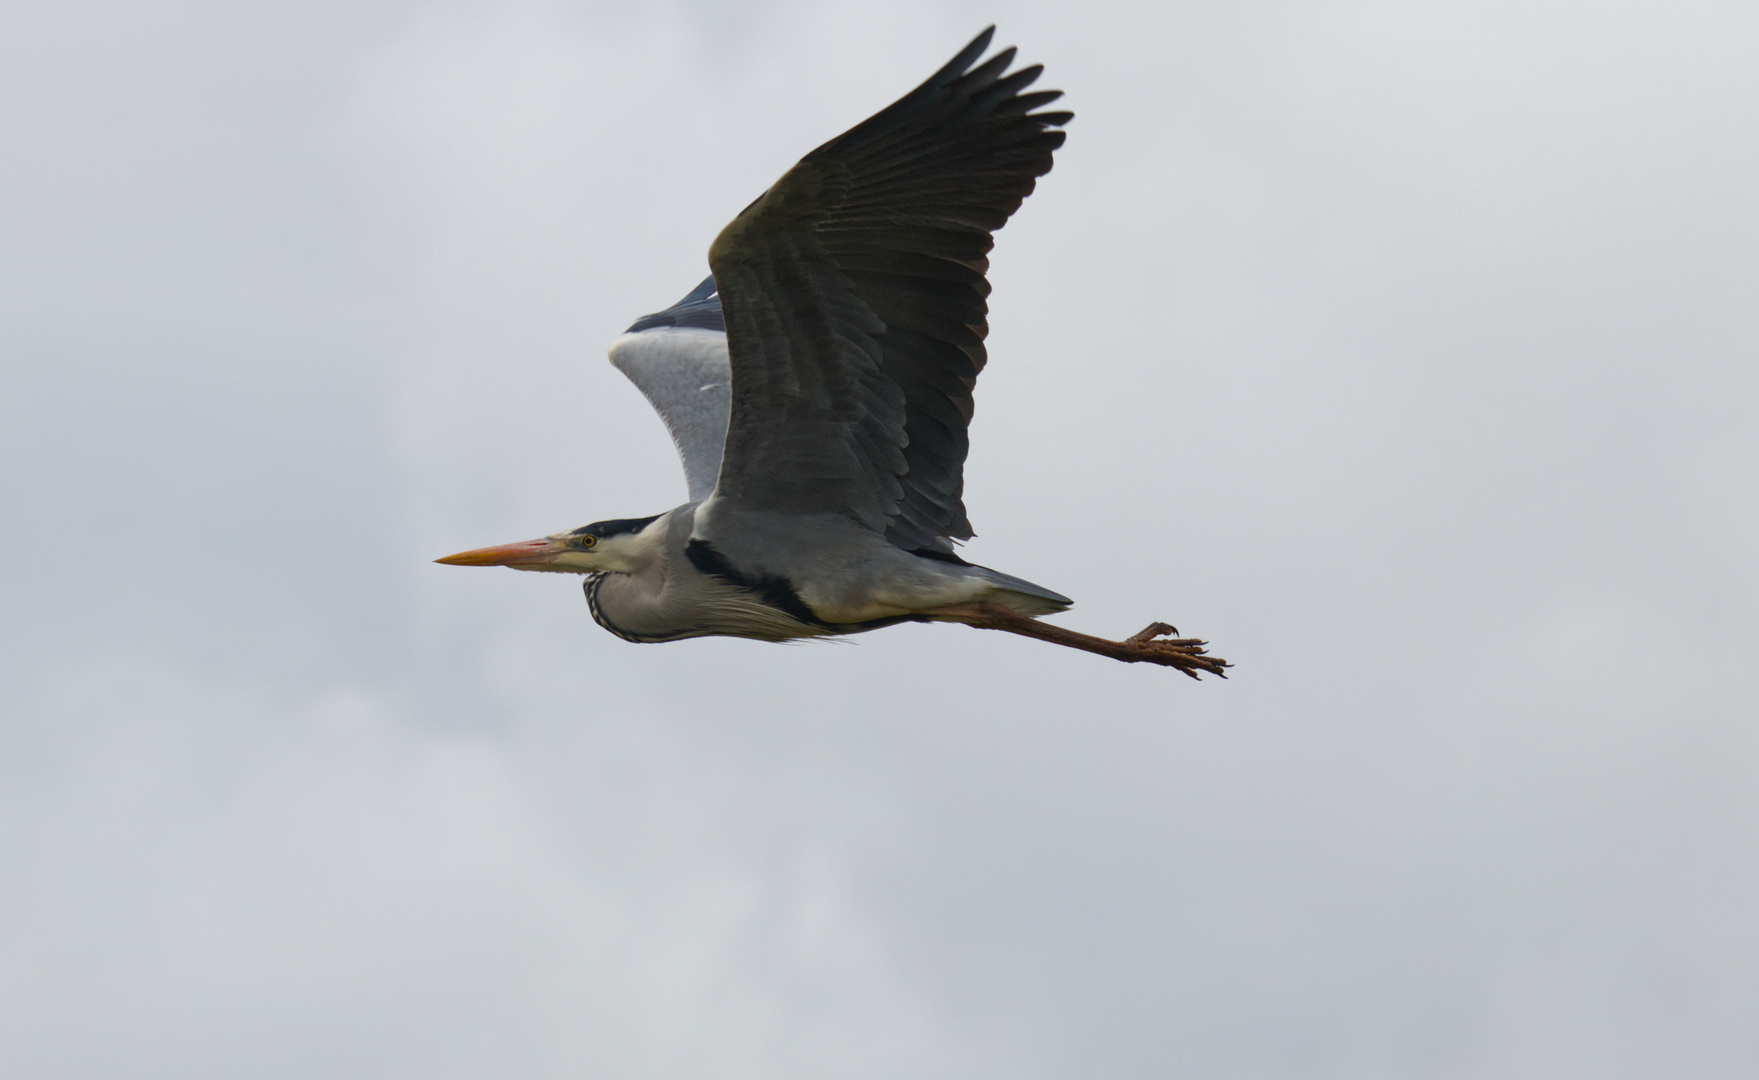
1405, 351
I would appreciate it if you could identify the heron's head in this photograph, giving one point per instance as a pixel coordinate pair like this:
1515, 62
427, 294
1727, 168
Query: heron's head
604, 547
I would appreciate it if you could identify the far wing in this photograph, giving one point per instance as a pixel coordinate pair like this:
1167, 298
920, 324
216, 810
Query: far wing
677, 358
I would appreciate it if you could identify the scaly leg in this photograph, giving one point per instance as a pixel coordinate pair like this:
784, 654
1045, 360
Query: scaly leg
1150, 645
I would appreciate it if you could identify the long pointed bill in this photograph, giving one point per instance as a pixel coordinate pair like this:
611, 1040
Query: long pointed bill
524, 553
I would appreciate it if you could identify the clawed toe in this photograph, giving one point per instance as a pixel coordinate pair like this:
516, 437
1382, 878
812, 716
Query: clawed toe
1186, 654
1152, 631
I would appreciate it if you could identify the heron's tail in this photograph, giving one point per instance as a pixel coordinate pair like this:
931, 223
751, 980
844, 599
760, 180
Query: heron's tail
1023, 596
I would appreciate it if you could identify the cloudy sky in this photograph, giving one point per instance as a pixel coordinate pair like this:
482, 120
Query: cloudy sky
1406, 351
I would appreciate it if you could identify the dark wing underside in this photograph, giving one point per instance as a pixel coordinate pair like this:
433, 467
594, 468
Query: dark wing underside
855, 303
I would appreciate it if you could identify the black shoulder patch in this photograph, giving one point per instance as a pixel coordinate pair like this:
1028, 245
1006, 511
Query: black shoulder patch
778, 592
701, 309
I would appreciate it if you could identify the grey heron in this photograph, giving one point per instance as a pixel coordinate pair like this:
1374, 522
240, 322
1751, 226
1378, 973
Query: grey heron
818, 388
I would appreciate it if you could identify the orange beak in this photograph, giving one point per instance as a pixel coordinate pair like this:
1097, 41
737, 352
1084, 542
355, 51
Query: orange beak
524, 553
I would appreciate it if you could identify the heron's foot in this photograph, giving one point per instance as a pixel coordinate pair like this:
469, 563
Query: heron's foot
1152, 645
1159, 643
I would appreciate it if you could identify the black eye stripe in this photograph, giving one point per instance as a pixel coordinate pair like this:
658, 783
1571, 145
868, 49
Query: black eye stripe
620, 526
616, 527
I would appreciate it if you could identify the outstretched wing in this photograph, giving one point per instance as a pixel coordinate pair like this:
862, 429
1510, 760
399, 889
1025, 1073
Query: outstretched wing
678, 359
854, 298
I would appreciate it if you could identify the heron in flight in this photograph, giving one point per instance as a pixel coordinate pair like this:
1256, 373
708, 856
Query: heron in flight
818, 387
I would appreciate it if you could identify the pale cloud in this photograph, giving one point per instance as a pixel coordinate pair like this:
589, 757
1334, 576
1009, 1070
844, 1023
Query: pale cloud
215, 881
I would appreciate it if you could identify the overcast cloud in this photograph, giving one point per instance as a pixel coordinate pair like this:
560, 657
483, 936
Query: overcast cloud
1405, 351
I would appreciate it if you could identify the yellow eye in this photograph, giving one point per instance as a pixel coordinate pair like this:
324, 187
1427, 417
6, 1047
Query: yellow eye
587, 541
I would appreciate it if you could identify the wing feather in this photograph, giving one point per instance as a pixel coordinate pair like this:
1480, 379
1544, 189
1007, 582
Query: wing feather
855, 302
677, 358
